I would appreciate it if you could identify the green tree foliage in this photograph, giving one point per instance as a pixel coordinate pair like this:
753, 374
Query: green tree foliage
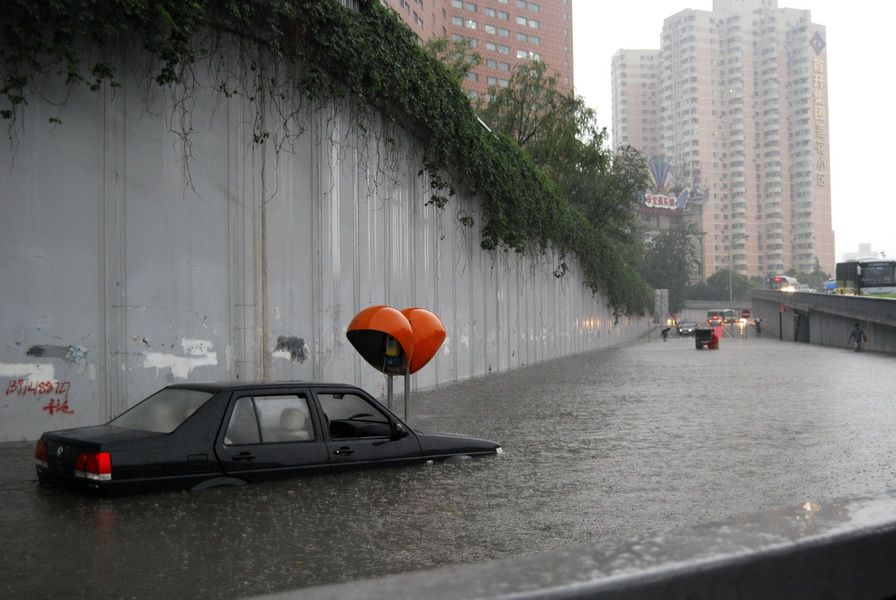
457, 56
668, 262
554, 127
562, 137
740, 284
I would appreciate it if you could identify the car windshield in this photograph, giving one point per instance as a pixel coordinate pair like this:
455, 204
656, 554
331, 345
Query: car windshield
164, 411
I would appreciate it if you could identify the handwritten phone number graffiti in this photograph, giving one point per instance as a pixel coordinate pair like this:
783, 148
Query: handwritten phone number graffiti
58, 403
23, 387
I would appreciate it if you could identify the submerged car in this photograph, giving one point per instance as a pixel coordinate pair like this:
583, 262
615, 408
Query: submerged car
196, 436
686, 328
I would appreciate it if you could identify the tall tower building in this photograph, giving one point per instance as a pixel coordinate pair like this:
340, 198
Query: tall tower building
741, 110
504, 32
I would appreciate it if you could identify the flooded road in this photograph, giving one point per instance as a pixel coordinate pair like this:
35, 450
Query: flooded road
599, 446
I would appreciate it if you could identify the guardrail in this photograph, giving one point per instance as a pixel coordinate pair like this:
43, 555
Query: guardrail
827, 549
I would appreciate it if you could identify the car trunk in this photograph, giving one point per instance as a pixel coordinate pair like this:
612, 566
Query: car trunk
64, 447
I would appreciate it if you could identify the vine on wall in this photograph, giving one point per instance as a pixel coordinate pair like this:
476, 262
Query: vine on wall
324, 52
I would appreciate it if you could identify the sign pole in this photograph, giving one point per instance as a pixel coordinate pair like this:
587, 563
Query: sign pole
407, 396
389, 392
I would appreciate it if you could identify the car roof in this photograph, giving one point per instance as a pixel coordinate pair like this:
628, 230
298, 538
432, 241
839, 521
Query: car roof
221, 386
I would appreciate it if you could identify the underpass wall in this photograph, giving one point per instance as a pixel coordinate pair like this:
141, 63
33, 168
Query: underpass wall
827, 319
134, 257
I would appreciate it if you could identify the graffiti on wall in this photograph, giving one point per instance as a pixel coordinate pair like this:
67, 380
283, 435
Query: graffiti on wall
52, 394
293, 348
69, 354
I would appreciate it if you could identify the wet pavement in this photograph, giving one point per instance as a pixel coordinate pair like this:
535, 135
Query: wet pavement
600, 446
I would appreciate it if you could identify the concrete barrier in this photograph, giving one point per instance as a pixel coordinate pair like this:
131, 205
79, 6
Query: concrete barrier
826, 549
826, 319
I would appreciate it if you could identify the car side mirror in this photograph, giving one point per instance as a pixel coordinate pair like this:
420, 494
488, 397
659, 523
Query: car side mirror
399, 431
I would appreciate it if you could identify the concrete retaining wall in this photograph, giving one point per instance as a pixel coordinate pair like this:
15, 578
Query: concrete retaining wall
827, 319
127, 267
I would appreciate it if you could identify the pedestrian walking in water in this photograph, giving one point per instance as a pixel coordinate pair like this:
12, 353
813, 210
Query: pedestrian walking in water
758, 323
857, 337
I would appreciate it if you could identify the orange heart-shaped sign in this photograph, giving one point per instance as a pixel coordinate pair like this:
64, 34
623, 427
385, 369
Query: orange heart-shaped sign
370, 332
429, 333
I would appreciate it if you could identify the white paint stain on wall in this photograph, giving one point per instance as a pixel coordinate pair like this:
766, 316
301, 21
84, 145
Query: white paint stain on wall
199, 354
28, 371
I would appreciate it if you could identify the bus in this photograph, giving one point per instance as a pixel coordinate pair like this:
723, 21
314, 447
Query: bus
867, 277
782, 283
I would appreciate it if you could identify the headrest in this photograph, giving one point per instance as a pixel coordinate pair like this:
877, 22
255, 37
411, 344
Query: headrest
292, 419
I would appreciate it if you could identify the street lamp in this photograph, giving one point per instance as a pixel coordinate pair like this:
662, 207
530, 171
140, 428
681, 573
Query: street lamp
731, 240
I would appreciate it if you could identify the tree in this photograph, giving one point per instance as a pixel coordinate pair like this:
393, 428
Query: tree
561, 135
554, 127
740, 284
668, 260
457, 56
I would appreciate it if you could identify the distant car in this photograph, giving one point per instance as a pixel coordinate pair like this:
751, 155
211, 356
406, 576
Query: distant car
686, 328
196, 436
715, 320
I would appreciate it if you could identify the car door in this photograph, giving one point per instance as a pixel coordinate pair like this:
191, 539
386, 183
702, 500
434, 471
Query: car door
360, 432
271, 434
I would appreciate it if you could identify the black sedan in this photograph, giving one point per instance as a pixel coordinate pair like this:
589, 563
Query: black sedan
686, 328
196, 436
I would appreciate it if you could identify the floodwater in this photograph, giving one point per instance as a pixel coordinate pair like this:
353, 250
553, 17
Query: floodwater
599, 446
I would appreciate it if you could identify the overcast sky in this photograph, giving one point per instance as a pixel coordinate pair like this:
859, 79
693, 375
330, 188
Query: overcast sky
861, 80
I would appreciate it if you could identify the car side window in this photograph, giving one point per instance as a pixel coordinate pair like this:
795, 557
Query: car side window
243, 426
284, 418
269, 420
352, 416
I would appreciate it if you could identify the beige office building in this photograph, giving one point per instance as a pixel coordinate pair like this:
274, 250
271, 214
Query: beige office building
736, 101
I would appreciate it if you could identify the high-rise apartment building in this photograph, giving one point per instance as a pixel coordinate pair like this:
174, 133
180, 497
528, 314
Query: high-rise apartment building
736, 101
503, 32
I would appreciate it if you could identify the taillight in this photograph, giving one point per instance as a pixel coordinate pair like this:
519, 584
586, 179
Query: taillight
40, 454
94, 465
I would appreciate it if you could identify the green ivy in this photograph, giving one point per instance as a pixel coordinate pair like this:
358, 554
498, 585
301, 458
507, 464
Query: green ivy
332, 51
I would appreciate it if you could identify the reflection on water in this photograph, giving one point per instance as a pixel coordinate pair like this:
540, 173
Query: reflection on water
598, 446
